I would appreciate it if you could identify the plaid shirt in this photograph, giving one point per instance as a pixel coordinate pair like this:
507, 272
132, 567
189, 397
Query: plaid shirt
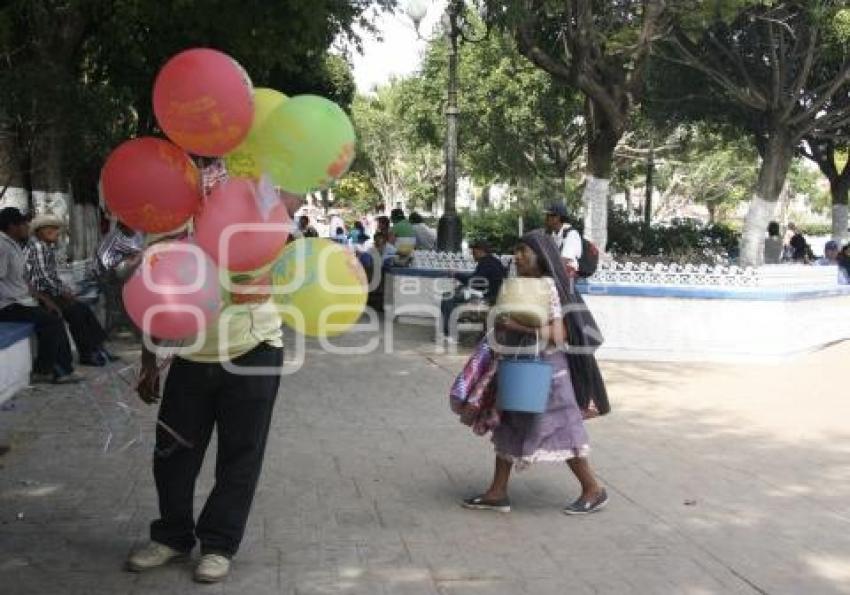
42, 271
117, 246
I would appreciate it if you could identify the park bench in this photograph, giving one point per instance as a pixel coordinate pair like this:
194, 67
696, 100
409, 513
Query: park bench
16, 340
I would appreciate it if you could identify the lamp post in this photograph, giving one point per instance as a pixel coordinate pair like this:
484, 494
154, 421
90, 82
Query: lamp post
449, 231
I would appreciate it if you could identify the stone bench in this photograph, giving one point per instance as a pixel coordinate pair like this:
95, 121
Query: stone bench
15, 357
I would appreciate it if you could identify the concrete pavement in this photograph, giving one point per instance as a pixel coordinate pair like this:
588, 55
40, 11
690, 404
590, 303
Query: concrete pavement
723, 479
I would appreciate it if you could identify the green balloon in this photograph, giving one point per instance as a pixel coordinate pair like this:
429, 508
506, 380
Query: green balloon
306, 144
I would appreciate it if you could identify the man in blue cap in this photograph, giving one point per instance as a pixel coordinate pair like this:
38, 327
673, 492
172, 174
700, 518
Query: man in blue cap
566, 237
830, 258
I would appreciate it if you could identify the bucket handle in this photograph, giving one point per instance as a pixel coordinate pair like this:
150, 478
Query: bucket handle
536, 344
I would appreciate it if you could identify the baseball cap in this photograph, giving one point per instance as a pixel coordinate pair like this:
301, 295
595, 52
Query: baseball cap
831, 245
556, 209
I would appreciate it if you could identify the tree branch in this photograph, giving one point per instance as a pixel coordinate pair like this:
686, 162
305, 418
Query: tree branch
746, 95
806, 69
839, 81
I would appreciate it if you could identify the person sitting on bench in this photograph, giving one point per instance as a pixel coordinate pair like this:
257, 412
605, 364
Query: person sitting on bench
43, 274
53, 362
485, 280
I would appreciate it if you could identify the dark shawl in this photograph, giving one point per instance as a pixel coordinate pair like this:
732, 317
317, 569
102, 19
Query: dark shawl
583, 333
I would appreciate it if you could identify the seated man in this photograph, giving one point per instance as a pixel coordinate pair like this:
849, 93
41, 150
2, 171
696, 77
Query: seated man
830, 258
43, 274
17, 304
485, 280
374, 260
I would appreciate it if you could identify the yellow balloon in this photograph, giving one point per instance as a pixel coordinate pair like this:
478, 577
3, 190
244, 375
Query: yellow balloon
243, 161
320, 287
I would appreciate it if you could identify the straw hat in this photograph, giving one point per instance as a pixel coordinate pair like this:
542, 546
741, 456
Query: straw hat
47, 220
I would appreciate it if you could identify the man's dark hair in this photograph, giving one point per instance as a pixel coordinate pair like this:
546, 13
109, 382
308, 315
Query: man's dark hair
396, 215
11, 216
773, 228
481, 244
415, 218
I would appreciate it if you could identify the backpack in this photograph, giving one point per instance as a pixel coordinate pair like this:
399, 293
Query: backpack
588, 262
589, 259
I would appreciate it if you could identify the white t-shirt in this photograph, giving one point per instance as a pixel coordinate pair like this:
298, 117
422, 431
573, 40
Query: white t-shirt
568, 241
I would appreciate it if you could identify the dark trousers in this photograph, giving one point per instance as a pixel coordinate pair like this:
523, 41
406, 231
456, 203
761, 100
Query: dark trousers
197, 397
448, 306
85, 328
54, 350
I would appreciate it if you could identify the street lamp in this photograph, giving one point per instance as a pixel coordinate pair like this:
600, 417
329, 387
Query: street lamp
456, 24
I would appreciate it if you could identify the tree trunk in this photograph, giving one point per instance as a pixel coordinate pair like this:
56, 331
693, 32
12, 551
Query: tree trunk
776, 162
601, 141
13, 190
839, 190
484, 198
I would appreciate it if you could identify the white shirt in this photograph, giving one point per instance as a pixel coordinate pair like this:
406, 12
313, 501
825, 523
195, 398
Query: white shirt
568, 242
13, 285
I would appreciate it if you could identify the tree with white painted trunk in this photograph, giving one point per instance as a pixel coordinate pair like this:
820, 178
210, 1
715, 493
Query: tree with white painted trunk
600, 48
830, 155
768, 70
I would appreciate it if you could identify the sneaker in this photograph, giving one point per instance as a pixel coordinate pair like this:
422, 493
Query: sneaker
41, 378
582, 506
480, 503
97, 359
152, 555
111, 357
212, 568
72, 378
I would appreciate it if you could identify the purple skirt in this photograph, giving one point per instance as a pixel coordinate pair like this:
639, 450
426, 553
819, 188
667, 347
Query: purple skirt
554, 436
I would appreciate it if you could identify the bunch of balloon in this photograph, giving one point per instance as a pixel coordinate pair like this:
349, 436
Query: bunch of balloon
274, 147
203, 102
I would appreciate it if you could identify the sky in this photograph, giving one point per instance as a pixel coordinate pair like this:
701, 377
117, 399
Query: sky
400, 52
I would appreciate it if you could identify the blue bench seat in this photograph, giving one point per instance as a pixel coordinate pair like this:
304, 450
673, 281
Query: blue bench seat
12, 332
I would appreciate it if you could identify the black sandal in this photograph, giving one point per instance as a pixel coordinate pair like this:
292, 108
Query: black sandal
582, 506
479, 503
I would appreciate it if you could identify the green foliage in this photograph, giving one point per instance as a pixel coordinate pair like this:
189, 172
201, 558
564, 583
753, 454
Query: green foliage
388, 152
500, 228
809, 181
683, 242
816, 229
356, 191
516, 123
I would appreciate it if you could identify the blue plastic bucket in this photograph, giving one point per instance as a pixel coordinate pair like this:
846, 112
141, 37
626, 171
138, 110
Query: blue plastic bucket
523, 385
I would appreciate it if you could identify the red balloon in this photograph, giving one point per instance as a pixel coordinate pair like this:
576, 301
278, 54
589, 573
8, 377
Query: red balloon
204, 102
151, 185
243, 202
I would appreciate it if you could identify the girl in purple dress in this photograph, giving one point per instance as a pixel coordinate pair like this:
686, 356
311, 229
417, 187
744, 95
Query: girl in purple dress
567, 343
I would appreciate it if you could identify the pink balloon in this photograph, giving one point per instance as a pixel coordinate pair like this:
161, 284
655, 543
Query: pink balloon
204, 102
174, 294
243, 226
